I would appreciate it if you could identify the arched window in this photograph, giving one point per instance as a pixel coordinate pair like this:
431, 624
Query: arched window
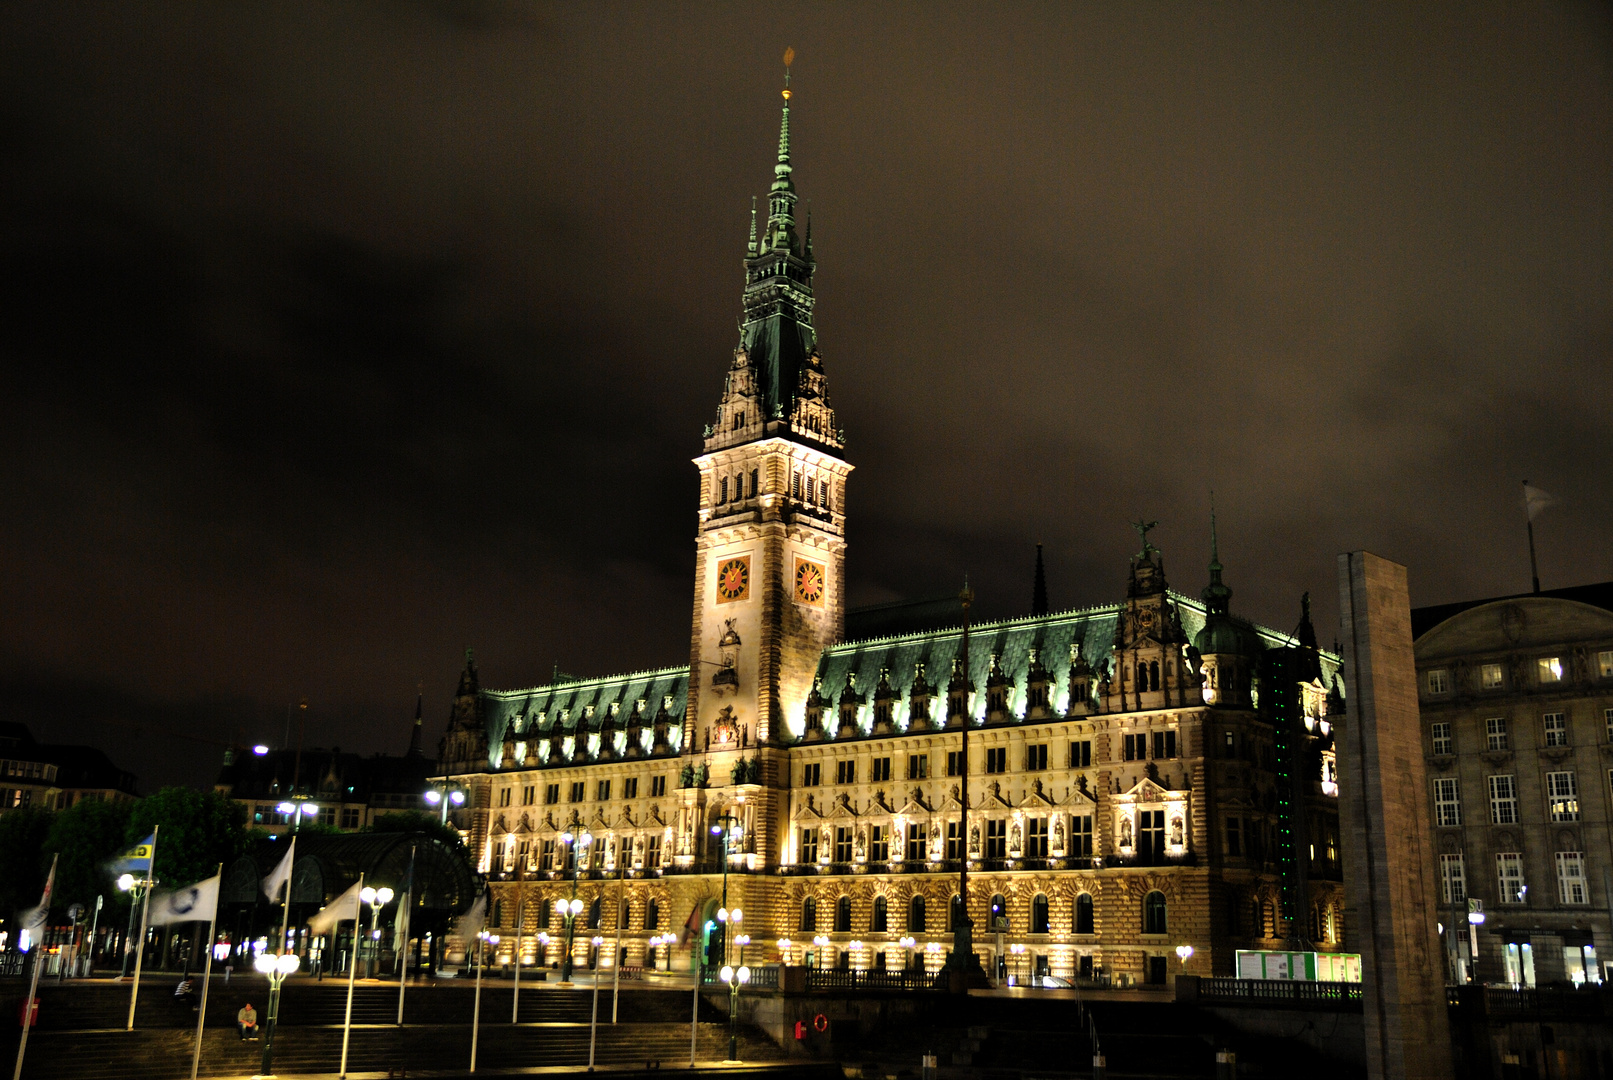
1154, 913
915, 915
878, 925
652, 915
593, 914
1142, 665
955, 914
1083, 914
999, 910
809, 915
724, 496
754, 486
843, 915
1257, 919
1039, 914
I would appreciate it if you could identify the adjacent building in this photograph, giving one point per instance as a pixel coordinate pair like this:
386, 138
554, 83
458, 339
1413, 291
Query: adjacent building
1517, 708
55, 776
1147, 774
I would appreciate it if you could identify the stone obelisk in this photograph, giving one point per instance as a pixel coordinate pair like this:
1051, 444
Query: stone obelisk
1390, 878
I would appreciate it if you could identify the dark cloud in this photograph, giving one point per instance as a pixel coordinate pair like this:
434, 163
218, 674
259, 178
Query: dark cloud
338, 338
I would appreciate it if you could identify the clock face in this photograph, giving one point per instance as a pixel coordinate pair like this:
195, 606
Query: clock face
809, 582
733, 580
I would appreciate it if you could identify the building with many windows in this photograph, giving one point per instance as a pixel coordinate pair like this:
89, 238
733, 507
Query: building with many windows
1147, 774
54, 776
1517, 707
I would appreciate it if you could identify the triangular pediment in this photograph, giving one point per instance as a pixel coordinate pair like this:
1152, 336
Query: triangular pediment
809, 811
1080, 797
1145, 790
842, 809
913, 803
1037, 797
992, 798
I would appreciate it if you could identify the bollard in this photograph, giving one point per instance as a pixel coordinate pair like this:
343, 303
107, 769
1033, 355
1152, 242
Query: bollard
929, 1067
1099, 1067
1226, 1065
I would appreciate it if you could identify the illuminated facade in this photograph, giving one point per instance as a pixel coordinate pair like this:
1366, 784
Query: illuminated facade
1129, 792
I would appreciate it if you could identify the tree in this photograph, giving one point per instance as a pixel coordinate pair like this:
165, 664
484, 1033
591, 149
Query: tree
200, 829
88, 834
413, 821
23, 858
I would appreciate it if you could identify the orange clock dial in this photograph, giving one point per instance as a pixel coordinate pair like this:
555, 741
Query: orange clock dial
733, 580
809, 582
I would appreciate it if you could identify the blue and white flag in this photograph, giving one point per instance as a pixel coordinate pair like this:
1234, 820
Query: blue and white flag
137, 860
198, 903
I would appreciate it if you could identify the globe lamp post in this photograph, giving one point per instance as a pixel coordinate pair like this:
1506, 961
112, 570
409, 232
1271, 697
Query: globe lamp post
572, 908
735, 978
276, 967
376, 899
445, 796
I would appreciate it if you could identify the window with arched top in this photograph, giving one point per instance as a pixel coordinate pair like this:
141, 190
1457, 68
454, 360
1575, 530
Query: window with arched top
809, 915
594, 914
843, 915
1154, 913
1083, 914
1153, 675
915, 915
1039, 914
999, 910
881, 917
652, 915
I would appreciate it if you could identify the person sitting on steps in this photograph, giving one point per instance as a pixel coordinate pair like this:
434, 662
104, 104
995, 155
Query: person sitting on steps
246, 1021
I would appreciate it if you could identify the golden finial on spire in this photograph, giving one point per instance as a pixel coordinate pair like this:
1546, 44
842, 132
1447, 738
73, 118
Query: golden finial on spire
789, 58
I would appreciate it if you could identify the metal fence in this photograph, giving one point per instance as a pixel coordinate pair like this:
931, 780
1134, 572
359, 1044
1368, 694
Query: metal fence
1266, 991
846, 979
762, 977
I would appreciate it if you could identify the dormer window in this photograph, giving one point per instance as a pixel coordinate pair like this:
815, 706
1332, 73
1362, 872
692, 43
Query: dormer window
1439, 681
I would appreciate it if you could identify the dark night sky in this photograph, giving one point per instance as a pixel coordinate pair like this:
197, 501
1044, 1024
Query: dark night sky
339, 337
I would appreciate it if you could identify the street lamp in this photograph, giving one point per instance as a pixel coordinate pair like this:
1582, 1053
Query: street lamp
819, 943
377, 899
1018, 950
573, 908
784, 951
297, 807
276, 967
443, 794
135, 886
735, 978
907, 943
1184, 953
742, 940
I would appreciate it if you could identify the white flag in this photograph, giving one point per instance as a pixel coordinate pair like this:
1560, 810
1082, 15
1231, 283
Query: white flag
341, 909
470, 924
33, 919
1535, 500
280, 875
199, 903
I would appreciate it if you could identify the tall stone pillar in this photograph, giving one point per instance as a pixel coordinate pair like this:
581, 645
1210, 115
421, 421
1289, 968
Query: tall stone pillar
1390, 876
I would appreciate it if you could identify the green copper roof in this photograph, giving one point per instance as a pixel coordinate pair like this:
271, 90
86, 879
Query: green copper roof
579, 707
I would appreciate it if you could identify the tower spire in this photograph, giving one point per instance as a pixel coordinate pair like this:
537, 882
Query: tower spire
750, 248
1217, 596
414, 737
1039, 589
781, 199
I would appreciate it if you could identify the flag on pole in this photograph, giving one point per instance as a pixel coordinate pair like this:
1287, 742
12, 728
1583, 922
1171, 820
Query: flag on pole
693, 926
341, 909
280, 875
470, 924
137, 860
198, 903
33, 919
1535, 500
400, 919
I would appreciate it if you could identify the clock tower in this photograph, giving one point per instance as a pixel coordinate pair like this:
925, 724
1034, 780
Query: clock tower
770, 551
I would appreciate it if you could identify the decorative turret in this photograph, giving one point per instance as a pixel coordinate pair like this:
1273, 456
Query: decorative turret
919, 697
1228, 648
884, 704
850, 703
812, 729
998, 688
464, 744
958, 690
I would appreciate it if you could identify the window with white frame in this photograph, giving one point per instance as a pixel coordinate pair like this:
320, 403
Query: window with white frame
1607, 717
1495, 733
1491, 676
1509, 876
1549, 669
1439, 681
1447, 802
1562, 796
1555, 725
1571, 878
1503, 800
1452, 879
1442, 737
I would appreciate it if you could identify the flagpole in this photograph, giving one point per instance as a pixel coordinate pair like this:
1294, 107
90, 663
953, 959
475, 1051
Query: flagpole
352, 972
145, 909
207, 973
515, 998
694, 1017
285, 920
616, 958
1529, 513
476, 1016
407, 911
38, 949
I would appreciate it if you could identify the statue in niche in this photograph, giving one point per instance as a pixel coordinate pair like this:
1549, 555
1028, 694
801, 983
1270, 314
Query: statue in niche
935, 836
1013, 838
686, 777
1058, 834
974, 839
702, 775
1125, 832
862, 839
1176, 832
740, 770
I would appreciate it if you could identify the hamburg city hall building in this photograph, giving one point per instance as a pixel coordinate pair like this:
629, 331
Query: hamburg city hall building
1148, 774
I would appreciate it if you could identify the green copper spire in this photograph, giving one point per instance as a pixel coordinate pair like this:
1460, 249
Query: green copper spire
1217, 597
751, 247
781, 199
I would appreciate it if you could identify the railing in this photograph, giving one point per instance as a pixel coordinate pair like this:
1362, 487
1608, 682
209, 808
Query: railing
1267, 991
847, 979
1530, 1002
762, 977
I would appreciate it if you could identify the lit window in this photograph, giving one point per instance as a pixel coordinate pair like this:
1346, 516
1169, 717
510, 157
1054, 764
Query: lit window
1556, 727
1439, 681
1550, 669
1604, 664
1495, 733
1491, 677
1442, 738
1571, 878
1503, 801
1562, 794
1447, 802
1452, 879
1509, 874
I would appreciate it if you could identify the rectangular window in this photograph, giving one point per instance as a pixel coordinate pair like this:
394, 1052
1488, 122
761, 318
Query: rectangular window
918, 766
1491, 677
546, 855
996, 759
809, 844
954, 763
796, 489
842, 843
630, 787
917, 842
349, 817
879, 843
652, 851
1495, 733
1452, 879
1549, 669
1447, 802
529, 795
1439, 681
1556, 727
1562, 795
812, 490
754, 484
996, 839
1234, 837
1607, 718
1604, 664
1509, 876
1081, 754
551, 794
1036, 757
1036, 838
724, 496
880, 770
1081, 835
954, 841
504, 796
812, 774
657, 786
602, 791
578, 790
1164, 744
1503, 800
1134, 747
845, 773
1442, 737
1571, 878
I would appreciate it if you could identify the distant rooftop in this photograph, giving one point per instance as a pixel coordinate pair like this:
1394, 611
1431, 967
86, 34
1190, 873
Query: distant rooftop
1424, 619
